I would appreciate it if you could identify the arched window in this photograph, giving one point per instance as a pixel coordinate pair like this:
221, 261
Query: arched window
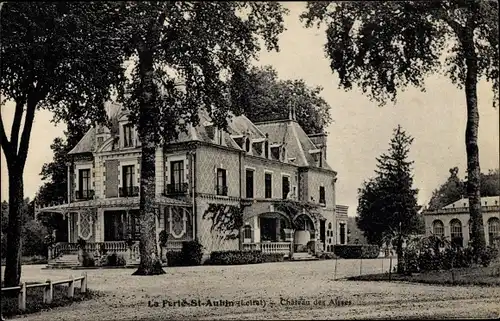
456, 232
247, 232
438, 228
493, 229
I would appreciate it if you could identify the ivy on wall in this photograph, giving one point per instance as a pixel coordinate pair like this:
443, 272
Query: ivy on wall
292, 208
226, 219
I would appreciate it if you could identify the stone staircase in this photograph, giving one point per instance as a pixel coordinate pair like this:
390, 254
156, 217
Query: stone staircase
303, 256
65, 261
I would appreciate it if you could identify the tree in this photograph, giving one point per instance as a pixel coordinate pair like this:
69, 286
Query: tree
269, 98
388, 202
455, 188
55, 189
187, 56
449, 192
59, 57
385, 46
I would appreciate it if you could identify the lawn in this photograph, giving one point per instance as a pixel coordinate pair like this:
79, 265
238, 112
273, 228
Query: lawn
265, 291
485, 276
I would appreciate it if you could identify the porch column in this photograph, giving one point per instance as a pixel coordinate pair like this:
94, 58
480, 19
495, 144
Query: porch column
278, 229
100, 215
68, 215
157, 224
128, 224
68, 165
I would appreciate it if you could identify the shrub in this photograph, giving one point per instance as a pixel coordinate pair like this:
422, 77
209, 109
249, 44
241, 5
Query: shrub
488, 255
34, 239
114, 259
175, 258
357, 251
192, 252
88, 260
243, 257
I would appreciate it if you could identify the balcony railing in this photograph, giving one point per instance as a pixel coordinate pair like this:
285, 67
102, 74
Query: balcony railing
177, 188
221, 190
128, 191
85, 194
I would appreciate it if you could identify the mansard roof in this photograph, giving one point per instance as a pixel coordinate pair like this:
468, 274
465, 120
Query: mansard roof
86, 144
294, 138
287, 133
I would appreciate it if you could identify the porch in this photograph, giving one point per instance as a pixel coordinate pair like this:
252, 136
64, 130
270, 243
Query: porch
275, 232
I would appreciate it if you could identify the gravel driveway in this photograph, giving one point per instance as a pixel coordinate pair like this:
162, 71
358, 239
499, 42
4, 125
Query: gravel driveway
298, 290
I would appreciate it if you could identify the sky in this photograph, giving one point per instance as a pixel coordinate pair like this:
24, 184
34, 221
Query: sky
361, 130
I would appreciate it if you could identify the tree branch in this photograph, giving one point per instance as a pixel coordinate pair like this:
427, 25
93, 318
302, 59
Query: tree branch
16, 124
6, 145
33, 98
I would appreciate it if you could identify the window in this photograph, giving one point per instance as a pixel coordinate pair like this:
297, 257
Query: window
275, 153
456, 232
285, 186
221, 182
438, 228
322, 195
247, 232
493, 230
100, 140
249, 183
177, 184
128, 135
128, 180
84, 184
266, 149
268, 184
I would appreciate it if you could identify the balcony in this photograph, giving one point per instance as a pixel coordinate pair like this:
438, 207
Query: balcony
176, 189
86, 194
221, 190
128, 191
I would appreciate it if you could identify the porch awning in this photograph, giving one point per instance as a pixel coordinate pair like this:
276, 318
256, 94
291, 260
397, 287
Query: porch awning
111, 202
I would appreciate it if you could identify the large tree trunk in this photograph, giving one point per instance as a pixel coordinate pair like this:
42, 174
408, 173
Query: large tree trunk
471, 134
12, 274
150, 262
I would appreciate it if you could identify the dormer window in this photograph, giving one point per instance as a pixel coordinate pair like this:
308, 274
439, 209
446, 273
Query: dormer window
266, 149
128, 135
210, 128
275, 152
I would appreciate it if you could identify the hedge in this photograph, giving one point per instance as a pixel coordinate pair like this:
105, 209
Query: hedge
243, 257
357, 251
190, 255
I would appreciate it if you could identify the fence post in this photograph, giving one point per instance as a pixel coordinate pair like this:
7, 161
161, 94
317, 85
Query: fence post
361, 266
48, 292
83, 287
71, 287
390, 267
22, 297
335, 271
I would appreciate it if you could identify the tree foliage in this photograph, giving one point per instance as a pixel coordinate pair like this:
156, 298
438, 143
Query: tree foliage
383, 47
59, 57
388, 202
455, 188
54, 173
270, 98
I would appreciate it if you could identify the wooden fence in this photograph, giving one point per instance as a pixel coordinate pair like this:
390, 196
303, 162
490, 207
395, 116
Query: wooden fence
48, 286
